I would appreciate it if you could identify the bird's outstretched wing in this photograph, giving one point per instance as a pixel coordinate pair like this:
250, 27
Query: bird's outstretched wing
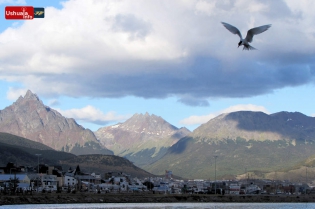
255, 31
232, 29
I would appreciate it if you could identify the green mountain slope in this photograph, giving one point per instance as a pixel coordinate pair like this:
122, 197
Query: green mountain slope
251, 140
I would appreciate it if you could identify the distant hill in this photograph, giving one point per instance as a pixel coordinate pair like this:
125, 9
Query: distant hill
241, 140
21, 151
303, 171
143, 138
11, 139
28, 117
105, 163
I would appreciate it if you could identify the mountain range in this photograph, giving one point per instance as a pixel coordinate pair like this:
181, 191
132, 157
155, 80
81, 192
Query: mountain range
235, 143
241, 141
143, 138
28, 117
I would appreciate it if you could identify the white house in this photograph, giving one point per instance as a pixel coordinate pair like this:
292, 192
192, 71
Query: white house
70, 181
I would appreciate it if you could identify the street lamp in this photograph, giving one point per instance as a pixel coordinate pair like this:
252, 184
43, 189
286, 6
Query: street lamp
38, 161
37, 168
11, 176
215, 174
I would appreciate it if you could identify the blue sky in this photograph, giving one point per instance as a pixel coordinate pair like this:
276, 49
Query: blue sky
100, 62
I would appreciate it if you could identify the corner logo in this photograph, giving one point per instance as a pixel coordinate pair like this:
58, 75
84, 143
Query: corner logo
19, 13
39, 12
23, 12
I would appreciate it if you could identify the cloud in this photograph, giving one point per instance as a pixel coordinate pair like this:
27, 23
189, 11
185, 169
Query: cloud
159, 49
53, 102
190, 101
14, 93
93, 115
197, 120
137, 28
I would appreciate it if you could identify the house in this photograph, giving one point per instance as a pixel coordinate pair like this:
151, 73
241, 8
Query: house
97, 177
70, 181
43, 181
49, 182
7, 179
23, 178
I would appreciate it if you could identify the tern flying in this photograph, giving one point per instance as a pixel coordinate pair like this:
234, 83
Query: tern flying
249, 37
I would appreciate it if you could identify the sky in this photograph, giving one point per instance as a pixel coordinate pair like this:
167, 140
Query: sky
102, 61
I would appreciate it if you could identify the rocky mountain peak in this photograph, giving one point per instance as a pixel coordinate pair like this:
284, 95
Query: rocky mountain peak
29, 96
143, 138
146, 123
28, 117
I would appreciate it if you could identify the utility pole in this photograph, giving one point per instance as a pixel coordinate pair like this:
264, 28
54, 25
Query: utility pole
276, 187
215, 174
38, 162
246, 175
37, 169
306, 175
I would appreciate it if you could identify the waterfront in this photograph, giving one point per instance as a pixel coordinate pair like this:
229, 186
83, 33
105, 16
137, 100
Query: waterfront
168, 206
141, 199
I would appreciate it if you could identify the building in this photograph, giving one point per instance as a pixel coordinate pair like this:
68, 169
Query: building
23, 179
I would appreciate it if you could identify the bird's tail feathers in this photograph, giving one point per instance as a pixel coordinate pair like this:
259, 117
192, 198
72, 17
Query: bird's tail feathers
249, 47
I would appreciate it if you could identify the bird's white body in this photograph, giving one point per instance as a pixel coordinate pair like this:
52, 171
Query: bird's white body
250, 34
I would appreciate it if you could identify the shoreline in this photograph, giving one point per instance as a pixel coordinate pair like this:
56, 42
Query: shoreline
66, 198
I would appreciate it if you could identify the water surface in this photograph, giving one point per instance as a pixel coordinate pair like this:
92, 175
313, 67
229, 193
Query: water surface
167, 206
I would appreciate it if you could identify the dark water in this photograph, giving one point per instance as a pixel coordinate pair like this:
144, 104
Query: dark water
168, 205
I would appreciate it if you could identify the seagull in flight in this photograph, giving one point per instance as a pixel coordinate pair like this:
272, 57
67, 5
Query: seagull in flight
250, 34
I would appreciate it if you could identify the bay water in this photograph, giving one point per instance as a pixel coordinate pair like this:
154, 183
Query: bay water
166, 206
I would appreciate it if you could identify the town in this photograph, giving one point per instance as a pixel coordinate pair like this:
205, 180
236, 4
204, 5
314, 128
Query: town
51, 179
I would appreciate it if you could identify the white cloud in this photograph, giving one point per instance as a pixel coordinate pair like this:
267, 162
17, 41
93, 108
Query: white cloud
92, 115
206, 7
197, 120
14, 93
160, 49
53, 102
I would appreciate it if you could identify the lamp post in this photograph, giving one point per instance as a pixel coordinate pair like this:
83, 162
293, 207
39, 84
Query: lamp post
11, 177
215, 174
38, 161
37, 168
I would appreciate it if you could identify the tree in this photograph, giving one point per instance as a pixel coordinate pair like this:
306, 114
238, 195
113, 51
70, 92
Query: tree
78, 170
14, 184
149, 185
